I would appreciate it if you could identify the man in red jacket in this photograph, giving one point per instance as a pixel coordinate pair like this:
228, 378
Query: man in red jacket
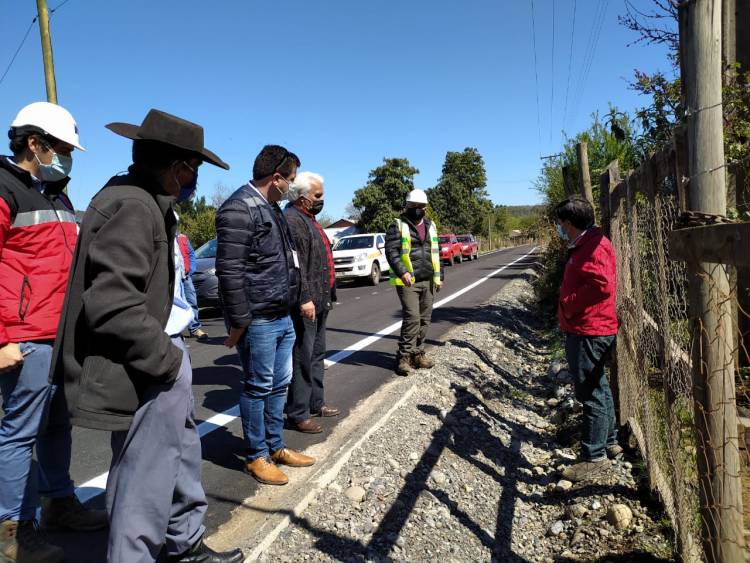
37, 239
588, 317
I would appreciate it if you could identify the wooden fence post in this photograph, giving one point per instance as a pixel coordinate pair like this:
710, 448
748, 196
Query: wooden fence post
569, 191
582, 153
713, 363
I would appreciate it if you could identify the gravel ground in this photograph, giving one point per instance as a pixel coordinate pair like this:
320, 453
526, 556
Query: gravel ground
468, 468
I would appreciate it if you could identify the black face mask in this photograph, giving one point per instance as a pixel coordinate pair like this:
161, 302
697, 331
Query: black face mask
416, 214
316, 207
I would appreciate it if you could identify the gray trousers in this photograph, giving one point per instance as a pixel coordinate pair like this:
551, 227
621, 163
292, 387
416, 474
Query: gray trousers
416, 309
155, 498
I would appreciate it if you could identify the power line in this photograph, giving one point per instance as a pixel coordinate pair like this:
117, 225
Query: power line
60, 5
18, 50
570, 63
536, 78
552, 81
590, 54
595, 46
25, 36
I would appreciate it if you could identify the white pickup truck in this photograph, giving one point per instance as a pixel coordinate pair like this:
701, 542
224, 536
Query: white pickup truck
360, 256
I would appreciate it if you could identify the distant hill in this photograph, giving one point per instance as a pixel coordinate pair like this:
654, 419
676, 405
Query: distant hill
523, 210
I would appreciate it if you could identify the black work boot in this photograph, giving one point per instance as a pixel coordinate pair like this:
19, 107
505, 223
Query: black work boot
201, 553
68, 514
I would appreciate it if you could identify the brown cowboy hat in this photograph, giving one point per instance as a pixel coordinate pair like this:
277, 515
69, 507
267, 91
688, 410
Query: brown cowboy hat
166, 128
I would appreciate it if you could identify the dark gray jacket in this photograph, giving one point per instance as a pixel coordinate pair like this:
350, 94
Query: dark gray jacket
314, 274
421, 259
254, 261
111, 342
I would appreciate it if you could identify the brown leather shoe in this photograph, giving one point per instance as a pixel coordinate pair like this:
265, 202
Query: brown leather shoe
403, 367
265, 471
308, 426
326, 411
421, 361
286, 456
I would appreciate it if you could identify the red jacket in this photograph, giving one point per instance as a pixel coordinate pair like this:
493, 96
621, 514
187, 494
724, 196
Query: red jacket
182, 240
37, 239
587, 295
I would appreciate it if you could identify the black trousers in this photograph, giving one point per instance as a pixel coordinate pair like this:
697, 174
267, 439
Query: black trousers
306, 390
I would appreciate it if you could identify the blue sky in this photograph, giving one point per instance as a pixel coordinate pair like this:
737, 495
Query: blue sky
343, 83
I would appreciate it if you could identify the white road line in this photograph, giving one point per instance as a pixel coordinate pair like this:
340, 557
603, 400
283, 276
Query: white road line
96, 486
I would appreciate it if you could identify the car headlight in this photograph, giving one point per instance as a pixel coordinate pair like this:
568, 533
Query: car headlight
361, 257
211, 271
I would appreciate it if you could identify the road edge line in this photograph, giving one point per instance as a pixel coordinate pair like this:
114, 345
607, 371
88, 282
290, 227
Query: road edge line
327, 477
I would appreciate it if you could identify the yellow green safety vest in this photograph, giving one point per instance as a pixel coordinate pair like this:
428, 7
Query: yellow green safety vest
406, 250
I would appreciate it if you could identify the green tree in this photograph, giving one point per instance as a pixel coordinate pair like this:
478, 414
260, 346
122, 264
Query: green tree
383, 198
460, 196
201, 227
191, 207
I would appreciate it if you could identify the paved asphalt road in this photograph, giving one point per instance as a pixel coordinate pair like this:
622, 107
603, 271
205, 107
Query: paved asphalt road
361, 311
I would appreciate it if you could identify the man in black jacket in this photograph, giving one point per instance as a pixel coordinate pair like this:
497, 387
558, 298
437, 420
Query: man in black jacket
258, 270
318, 277
120, 369
411, 247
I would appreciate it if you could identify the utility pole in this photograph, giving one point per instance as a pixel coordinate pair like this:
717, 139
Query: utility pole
582, 153
49, 65
489, 230
717, 453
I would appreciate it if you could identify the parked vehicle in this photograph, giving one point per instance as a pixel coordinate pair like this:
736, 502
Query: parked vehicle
469, 246
360, 257
450, 249
204, 278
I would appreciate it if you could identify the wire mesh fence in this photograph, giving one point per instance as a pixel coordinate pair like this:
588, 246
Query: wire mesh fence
681, 373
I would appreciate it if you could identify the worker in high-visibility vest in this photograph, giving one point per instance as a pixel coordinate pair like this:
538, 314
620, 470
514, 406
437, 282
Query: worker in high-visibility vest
413, 253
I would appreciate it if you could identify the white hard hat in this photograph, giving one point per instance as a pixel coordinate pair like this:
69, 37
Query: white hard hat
417, 196
52, 119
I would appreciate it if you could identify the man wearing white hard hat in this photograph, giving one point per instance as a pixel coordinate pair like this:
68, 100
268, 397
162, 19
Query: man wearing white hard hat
37, 239
413, 253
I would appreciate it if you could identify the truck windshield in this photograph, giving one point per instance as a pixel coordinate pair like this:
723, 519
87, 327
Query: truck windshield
444, 240
353, 243
464, 239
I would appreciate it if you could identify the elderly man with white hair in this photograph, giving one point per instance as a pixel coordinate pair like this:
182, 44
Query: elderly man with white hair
318, 289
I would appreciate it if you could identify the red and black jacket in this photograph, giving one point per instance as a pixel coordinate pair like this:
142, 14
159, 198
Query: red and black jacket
37, 239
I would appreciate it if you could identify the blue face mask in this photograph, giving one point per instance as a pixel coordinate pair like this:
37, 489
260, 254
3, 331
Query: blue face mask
561, 232
187, 191
57, 169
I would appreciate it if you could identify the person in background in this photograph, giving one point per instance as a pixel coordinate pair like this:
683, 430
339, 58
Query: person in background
188, 259
318, 293
413, 253
259, 284
37, 240
588, 318
119, 353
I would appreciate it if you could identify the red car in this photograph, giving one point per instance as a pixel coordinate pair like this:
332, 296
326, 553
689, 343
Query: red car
450, 249
469, 247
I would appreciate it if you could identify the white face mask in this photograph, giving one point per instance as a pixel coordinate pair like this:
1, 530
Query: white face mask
58, 169
284, 195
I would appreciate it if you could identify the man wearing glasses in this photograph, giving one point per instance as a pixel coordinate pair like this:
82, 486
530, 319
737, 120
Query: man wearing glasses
259, 285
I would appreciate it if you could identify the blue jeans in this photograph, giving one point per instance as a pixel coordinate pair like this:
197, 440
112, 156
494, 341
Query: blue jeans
33, 413
192, 299
587, 356
266, 355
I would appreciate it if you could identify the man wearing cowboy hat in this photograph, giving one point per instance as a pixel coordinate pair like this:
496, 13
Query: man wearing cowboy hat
121, 368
